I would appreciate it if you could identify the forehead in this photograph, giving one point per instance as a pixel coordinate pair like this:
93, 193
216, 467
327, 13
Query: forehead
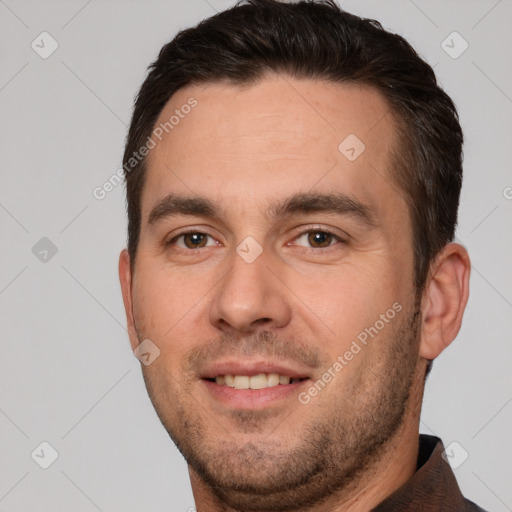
247, 146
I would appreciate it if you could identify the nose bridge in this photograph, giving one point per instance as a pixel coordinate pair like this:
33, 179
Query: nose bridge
250, 266
249, 295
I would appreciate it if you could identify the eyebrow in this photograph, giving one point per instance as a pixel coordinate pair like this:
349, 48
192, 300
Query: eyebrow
301, 203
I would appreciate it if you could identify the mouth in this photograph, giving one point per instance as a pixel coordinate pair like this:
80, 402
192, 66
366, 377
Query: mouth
258, 381
253, 385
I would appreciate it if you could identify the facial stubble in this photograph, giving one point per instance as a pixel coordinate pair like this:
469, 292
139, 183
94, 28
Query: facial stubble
348, 433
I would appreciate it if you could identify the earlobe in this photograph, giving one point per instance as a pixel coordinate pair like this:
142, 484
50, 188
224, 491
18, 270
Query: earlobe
125, 278
444, 300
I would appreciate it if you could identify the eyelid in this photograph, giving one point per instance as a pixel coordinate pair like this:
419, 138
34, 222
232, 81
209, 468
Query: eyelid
321, 228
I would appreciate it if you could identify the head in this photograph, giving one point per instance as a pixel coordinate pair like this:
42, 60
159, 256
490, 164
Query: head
293, 176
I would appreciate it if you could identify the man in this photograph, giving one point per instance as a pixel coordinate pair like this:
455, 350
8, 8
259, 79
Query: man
293, 176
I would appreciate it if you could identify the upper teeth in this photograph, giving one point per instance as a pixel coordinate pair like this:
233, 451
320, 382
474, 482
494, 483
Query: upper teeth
262, 380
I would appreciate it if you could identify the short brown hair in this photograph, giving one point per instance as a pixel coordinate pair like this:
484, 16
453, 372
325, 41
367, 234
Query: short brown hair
315, 39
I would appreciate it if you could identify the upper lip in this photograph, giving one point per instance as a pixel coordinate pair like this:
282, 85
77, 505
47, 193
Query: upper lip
253, 367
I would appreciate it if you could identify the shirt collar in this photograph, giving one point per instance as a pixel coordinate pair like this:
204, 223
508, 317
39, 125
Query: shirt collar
432, 488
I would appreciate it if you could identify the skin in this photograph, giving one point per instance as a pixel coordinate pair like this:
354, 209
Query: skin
303, 299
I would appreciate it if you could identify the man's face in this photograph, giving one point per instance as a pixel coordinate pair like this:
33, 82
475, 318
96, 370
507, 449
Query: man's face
267, 286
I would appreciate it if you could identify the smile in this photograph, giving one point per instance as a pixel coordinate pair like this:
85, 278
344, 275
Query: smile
259, 381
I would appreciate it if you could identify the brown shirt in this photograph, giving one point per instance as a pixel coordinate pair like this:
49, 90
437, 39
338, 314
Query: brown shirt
433, 488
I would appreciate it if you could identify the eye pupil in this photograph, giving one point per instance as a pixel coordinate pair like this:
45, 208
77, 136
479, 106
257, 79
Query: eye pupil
197, 239
320, 237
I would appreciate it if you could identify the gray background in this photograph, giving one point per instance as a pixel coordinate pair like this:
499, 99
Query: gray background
67, 375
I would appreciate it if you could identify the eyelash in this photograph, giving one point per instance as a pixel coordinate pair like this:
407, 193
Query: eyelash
310, 249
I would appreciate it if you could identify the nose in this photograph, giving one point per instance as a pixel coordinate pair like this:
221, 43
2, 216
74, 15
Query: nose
251, 296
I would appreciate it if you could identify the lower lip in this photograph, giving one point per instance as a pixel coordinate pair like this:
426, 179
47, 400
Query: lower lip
253, 398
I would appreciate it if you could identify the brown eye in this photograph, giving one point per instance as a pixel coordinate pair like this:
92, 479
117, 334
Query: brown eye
320, 238
194, 240
191, 240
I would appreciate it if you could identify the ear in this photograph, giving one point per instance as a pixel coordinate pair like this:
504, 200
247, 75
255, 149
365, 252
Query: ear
125, 277
444, 300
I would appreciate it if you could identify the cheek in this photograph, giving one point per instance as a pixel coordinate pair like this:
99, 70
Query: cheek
347, 303
162, 299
